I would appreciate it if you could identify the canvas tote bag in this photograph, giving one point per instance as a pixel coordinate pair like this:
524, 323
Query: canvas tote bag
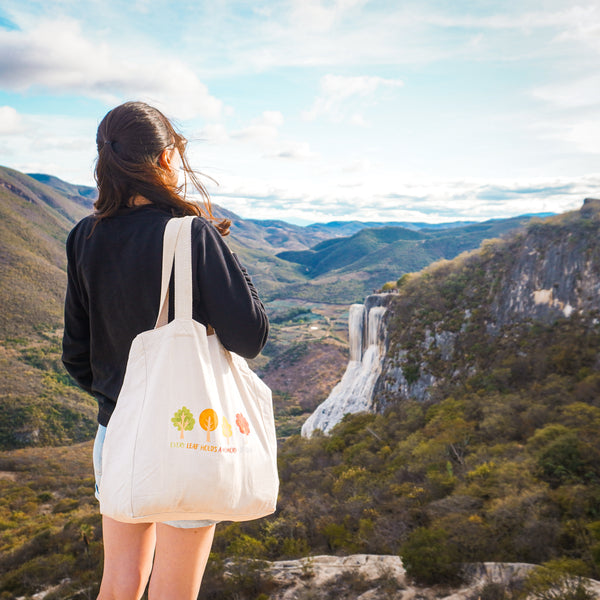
192, 435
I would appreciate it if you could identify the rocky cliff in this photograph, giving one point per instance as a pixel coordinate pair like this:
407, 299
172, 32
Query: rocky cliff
554, 270
438, 329
445, 318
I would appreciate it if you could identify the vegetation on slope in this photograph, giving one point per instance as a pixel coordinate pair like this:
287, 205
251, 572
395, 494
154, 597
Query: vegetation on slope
39, 403
340, 252
51, 528
501, 464
507, 468
34, 223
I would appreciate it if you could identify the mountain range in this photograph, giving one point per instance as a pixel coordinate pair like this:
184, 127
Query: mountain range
330, 263
288, 260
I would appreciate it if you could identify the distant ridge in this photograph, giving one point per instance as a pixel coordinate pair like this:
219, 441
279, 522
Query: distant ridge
346, 228
380, 254
83, 194
351, 227
338, 262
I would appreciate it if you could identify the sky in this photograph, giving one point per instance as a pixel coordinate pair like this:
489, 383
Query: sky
321, 110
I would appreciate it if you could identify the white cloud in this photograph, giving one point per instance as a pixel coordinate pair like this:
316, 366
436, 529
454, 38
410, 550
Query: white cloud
582, 24
331, 33
359, 120
272, 117
419, 199
579, 132
10, 121
313, 15
338, 90
339, 87
572, 113
295, 151
357, 166
572, 93
57, 56
258, 140
264, 129
142, 6
63, 146
213, 133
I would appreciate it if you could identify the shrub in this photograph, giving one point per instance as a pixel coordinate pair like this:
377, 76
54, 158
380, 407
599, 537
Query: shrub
560, 579
429, 558
239, 579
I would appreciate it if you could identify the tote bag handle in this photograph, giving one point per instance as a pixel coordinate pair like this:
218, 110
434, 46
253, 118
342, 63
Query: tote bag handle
177, 247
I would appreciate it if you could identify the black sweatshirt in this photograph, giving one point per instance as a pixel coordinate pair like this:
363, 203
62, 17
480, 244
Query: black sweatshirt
113, 291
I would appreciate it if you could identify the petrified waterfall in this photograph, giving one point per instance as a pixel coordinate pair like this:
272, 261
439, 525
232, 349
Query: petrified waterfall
354, 393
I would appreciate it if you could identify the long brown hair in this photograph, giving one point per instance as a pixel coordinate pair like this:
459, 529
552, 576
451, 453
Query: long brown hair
130, 140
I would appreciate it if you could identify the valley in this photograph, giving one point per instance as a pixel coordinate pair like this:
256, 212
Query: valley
307, 308
481, 443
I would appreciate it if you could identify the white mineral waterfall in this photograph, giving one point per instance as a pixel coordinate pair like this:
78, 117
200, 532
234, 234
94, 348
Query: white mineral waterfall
354, 393
356, 328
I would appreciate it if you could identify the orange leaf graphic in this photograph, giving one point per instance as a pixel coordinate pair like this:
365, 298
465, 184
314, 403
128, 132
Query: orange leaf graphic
208, 420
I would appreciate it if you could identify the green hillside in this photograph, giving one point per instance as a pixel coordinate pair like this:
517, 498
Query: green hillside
34, 222
81, 194
502, 463
273, 235
38, 403
339, 253
349, 268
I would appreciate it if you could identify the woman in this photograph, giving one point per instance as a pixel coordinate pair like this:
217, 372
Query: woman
114, 271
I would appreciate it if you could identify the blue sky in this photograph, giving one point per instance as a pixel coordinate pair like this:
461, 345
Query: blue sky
318, 110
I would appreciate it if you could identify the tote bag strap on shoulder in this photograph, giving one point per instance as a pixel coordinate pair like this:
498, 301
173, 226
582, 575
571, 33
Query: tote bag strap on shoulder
177, 246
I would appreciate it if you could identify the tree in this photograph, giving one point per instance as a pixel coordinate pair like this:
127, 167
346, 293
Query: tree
183, 420
226, 429
208, 420
242, 424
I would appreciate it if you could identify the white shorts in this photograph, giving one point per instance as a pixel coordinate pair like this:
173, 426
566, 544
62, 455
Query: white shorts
98, 443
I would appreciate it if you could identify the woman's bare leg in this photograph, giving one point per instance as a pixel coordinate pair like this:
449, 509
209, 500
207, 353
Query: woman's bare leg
128, 552
179, 562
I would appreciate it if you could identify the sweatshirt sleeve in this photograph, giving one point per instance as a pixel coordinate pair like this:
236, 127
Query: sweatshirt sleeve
76, 337
232, 305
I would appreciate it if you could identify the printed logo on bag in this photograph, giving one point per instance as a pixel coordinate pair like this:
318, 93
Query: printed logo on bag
183, 420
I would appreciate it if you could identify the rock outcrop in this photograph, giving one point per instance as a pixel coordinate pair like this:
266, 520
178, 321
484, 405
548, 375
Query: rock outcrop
555, 271
547, 272
376, 577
